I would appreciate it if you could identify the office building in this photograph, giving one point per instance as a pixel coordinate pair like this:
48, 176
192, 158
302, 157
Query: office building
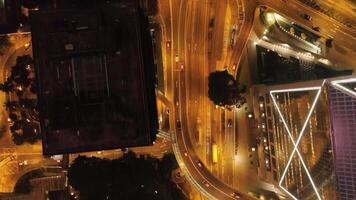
309, 129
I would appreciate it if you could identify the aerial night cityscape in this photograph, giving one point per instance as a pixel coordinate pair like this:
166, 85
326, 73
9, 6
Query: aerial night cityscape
178, 100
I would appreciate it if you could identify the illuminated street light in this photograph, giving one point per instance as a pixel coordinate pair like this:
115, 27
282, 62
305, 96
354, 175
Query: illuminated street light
236, 158
249, 115
261, 105
324, 61
270, 18
277, 16
253, 149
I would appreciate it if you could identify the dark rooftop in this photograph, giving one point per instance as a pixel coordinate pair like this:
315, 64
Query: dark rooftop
96, 78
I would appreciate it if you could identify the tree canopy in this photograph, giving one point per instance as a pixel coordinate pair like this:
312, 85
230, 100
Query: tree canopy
31, 4
4, 44
129, 177
224, 90
23, 112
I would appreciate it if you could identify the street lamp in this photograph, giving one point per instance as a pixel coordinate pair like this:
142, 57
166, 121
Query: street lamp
270, 18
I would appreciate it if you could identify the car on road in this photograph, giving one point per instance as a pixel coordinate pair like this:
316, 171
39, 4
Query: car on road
236, 195
329, 42
176, 58
199, 163
316, 28
229, 123
178, 124
182, 67
168, 44
307, 17
206, 183
25, 162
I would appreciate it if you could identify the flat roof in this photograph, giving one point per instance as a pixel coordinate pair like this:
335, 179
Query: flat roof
95, 76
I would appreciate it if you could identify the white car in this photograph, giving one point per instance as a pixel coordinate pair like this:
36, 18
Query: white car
199, 163
181, 66
176, 58
25, 162
236, 195
206, 183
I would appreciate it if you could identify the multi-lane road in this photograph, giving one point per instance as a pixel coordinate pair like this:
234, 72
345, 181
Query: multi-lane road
186, 25
188, 61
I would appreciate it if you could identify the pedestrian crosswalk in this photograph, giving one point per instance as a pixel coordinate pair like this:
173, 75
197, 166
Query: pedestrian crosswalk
164, 135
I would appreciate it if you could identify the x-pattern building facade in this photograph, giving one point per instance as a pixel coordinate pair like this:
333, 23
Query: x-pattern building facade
314, 136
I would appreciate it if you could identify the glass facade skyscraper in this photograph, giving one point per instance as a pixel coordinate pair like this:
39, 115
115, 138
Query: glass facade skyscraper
312, 138
343, 116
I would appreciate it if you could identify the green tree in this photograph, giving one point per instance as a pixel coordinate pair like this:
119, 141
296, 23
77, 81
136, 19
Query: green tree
13, 117
31, 4
137, 177
11, 105
17, 138
7, 86
90, 176
4, 44
224, 90
20, 72
28, 103
167, 165
24, 110
29, 131
33, 87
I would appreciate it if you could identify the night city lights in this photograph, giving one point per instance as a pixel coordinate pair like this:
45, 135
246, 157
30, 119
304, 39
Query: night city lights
177, 100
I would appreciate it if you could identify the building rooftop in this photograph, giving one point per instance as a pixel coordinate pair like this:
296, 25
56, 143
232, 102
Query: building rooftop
95, 76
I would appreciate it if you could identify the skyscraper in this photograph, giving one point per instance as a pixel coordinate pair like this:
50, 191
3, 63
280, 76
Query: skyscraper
310, 131
342, 103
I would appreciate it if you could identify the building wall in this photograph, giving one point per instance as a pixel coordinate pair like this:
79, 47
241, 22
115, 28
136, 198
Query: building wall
315, 145
343, 114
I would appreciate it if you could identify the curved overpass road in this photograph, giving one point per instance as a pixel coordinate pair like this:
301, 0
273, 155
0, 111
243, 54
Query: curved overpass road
190, 163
